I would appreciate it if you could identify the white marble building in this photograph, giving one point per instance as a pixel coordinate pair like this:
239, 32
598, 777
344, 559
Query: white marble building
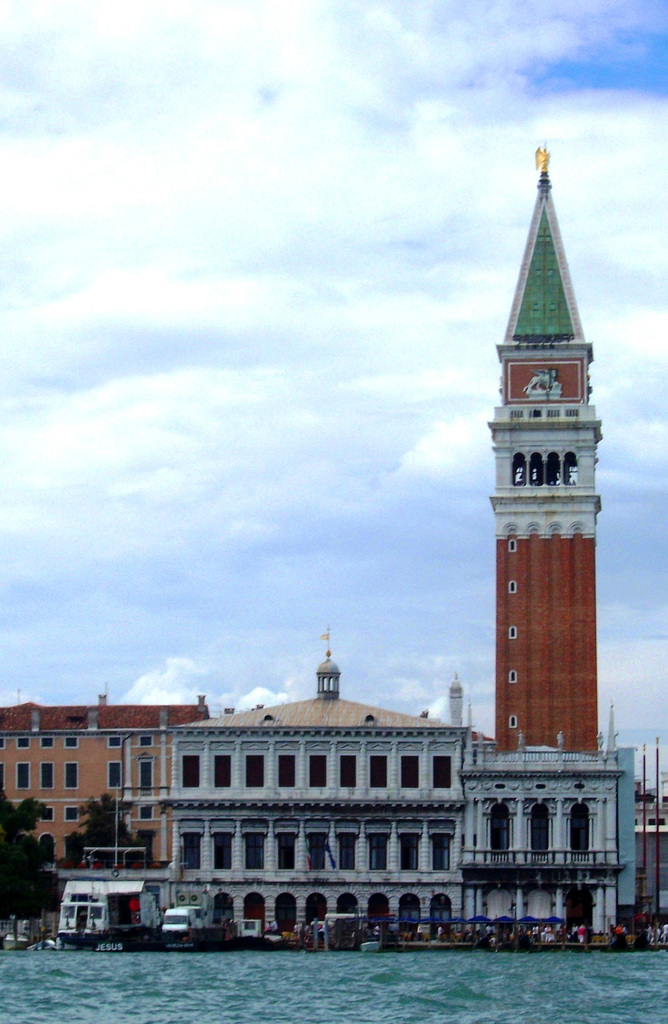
546, 834
325, 804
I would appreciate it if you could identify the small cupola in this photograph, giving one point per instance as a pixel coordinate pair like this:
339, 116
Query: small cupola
328, 674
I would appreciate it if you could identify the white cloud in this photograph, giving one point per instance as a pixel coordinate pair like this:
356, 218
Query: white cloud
257, 260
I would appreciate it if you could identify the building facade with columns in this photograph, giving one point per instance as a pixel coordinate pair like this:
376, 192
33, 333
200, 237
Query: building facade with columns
547, 834
323, 805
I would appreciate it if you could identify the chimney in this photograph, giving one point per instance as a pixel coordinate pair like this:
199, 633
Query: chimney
102, 700
201, 705
164, 717
35, 719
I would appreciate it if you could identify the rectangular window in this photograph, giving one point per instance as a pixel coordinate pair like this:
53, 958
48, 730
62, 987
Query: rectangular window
46, 741
222, 851
71, 814
114, 775
23, 775
71, 775
286, 851
47, 814
46, 775
442, 772
192, 842
145, 812
71, 742
377, 852
347, 842
113, 741
348, 771
146, 741
145, 774
255, 770
410, 771
315, 842
408, 852
378, 771
254, 850
440, 853
23, 742
222, 771
2, 742
317, 770
190, 771
286, 770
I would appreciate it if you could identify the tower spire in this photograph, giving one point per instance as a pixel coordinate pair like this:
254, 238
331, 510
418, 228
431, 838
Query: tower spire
545, 436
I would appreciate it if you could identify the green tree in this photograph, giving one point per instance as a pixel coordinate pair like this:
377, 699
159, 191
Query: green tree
24, 887
99, 827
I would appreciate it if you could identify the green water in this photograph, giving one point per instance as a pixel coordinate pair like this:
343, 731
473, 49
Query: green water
322, 988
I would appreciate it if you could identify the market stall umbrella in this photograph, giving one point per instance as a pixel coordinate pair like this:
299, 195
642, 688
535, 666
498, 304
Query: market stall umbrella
479, 919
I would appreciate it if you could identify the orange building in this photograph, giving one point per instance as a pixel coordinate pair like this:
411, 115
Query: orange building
64, 755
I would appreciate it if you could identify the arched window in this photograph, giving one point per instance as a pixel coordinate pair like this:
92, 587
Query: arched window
570, 469
540, 824
499, 833
579, 828
512, 676
48, 846
512, 632
519, 470
536, 470
285, 914
553, 470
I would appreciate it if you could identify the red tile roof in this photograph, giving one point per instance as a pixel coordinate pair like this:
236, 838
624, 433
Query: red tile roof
70, 717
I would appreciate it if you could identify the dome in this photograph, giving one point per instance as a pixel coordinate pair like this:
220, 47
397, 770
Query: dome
329, 668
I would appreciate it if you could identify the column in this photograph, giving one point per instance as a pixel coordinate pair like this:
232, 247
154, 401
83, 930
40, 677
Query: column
300, 768
559, 902
206, 851
362, 852
332, 771
205, 779
560, 843
424, 852
176, 849
363, 770
238, 849
300, 852
237, 767
480, 827
393, 776
270, 767
425, 768
518, 839
270, 848
393, 852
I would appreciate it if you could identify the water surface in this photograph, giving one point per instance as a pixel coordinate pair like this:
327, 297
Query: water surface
323, 988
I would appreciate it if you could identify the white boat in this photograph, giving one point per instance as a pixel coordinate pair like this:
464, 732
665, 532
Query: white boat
12, 941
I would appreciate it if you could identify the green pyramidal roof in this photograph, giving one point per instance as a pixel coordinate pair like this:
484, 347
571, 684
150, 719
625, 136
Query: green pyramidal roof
544, 310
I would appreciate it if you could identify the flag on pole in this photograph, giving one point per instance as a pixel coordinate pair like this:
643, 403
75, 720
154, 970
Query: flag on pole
309, 861
328, 851
325, 636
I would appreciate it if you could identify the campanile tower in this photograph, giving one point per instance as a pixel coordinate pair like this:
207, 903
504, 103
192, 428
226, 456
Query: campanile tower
545, 435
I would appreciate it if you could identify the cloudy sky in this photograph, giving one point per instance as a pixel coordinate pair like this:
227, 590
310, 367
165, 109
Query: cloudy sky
257, 258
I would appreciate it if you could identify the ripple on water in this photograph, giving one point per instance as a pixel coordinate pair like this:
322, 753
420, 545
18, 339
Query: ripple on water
284, 988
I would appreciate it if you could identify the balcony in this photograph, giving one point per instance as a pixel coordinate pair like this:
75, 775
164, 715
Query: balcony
537, 859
